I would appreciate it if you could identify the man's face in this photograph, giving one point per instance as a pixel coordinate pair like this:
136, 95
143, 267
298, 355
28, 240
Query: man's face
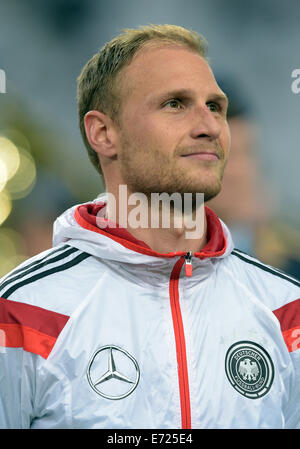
174, 135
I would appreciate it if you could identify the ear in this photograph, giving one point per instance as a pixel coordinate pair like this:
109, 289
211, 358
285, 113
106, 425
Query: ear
100, 133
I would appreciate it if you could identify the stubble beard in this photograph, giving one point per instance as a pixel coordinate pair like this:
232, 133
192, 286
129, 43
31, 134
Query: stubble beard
147, 170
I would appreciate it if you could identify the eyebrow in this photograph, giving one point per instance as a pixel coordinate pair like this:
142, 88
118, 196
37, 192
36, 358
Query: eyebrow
187, 93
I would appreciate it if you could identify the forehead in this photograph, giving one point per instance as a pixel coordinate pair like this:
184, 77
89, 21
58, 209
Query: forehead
167, 66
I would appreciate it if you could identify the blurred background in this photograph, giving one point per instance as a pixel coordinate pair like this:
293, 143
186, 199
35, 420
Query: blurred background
44, 168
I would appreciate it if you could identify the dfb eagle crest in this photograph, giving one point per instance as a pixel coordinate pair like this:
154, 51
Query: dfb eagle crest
248, 369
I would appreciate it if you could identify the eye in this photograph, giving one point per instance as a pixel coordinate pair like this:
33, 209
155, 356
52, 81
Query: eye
214, 107
174, 103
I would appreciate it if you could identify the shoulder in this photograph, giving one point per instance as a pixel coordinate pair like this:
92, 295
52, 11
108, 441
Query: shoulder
43, 275
277, 290
274, 289
54, 280
261, 271
39, 296
255, 265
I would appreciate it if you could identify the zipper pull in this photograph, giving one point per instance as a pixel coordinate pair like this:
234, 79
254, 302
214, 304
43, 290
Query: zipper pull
188, 264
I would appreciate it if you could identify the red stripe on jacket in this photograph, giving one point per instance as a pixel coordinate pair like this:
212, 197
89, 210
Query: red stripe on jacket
29, 327
289, 319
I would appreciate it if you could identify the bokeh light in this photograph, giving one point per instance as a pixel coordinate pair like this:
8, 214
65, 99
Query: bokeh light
9, 160
3, 175
21, 184
17, 179
5, 206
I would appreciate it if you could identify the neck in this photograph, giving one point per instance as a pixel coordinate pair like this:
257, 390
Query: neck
161, 226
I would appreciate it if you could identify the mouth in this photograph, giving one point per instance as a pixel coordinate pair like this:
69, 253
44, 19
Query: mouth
203, 156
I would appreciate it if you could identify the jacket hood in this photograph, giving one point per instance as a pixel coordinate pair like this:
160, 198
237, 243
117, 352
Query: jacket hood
82, 226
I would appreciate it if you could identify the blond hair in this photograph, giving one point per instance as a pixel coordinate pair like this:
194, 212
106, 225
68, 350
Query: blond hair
98, 87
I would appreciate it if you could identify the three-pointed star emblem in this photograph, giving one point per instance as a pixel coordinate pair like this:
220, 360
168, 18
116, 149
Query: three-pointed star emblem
130, 376
112, 373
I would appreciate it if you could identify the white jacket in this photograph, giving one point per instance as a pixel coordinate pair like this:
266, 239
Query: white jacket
102, 332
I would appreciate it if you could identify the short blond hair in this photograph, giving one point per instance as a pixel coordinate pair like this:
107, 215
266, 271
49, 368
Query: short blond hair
98, 87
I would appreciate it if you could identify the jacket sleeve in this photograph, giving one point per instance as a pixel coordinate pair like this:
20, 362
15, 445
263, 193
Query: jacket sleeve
288, 316
17, 384
292, 412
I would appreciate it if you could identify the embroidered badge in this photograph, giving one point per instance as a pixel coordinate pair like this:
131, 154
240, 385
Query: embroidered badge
249, 369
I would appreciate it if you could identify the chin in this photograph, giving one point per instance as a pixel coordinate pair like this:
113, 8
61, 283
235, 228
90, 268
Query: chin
209, 196
210, 192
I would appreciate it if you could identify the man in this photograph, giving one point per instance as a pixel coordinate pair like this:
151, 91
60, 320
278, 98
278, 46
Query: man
107, 329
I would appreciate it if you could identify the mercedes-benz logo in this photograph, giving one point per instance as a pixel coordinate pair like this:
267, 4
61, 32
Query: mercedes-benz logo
108, 381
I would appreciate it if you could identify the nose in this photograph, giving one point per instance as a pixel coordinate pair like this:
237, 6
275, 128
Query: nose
205, 124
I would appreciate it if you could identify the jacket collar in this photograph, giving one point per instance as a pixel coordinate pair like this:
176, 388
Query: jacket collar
88, 216
78, 226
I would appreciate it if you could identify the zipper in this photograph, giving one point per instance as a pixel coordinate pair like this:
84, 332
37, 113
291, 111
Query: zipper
180, 342
188, 267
